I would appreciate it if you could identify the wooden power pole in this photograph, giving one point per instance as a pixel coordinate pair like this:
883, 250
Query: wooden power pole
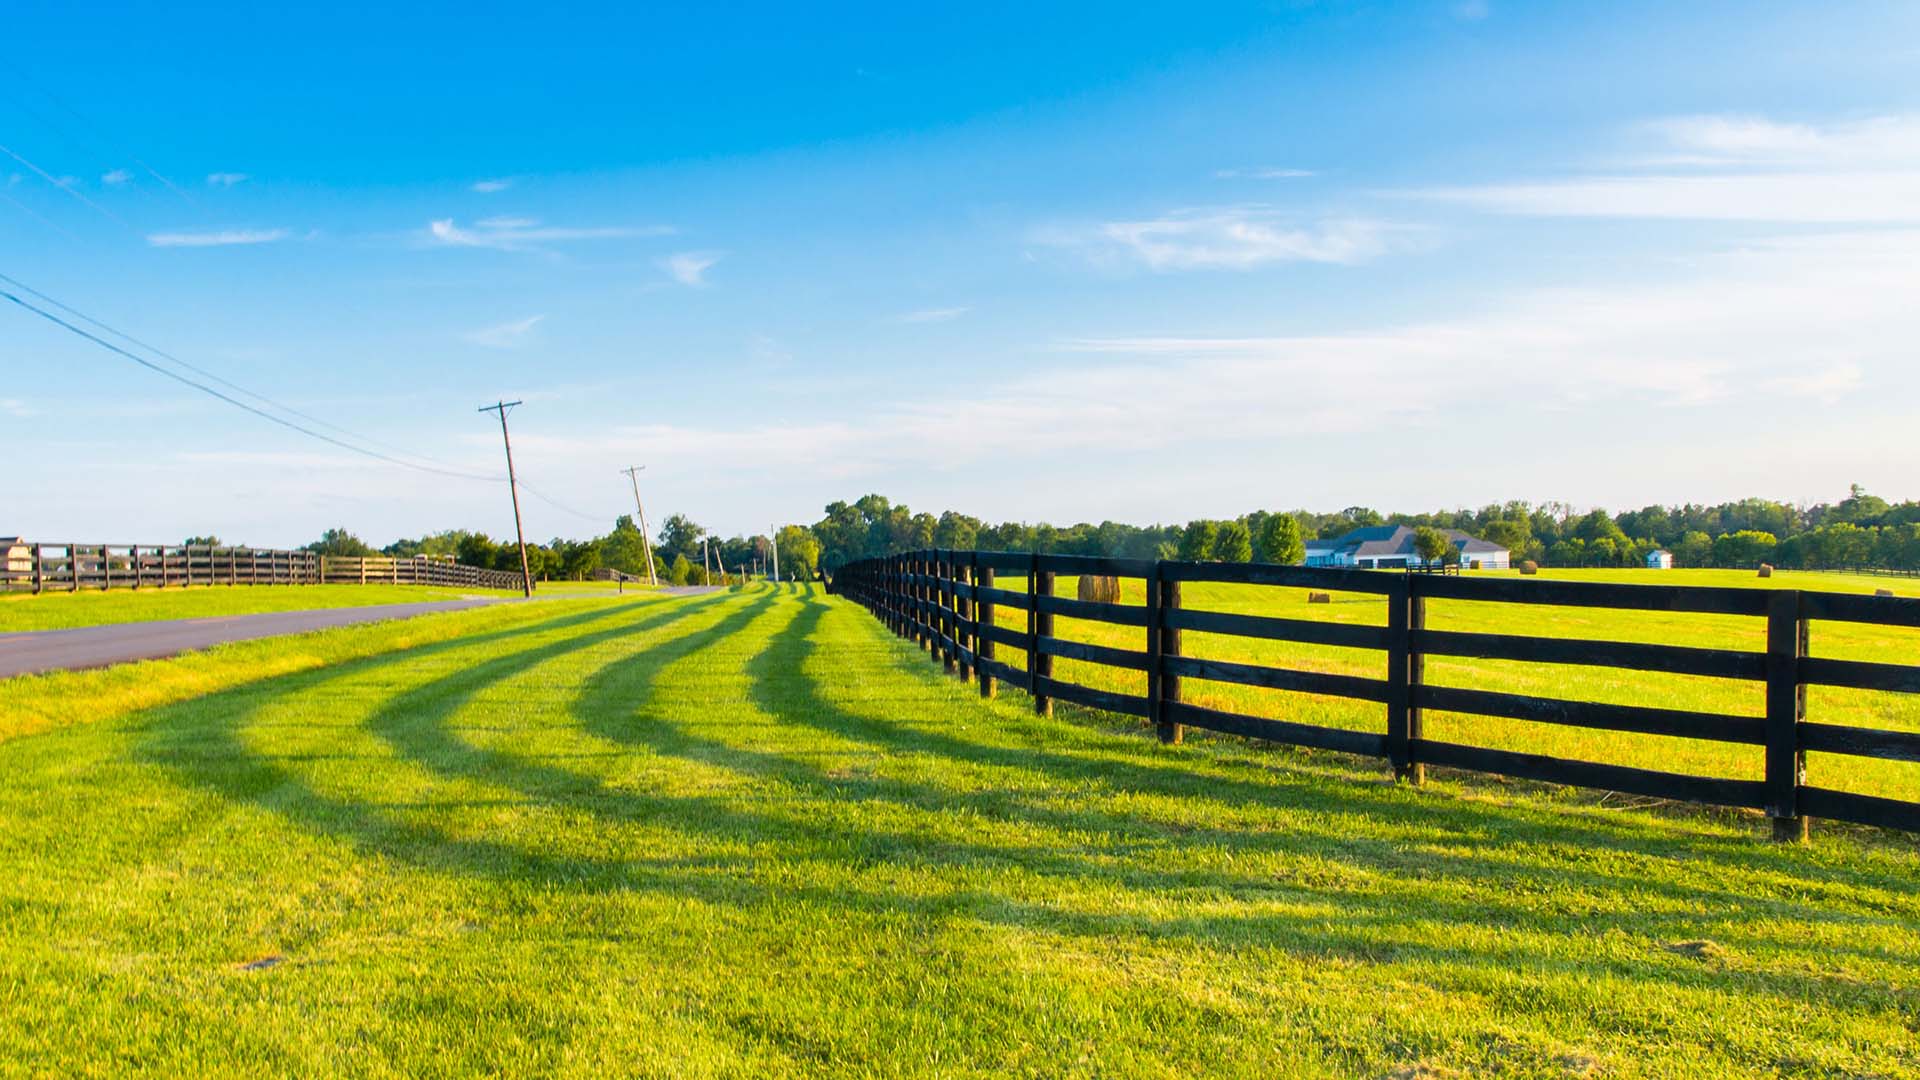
646, 545
520, 534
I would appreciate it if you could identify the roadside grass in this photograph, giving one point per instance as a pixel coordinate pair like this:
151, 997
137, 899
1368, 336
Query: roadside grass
1900, 712
751, 833
34, 703
66, 610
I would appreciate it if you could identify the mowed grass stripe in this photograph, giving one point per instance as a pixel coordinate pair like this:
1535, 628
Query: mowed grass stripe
755, 834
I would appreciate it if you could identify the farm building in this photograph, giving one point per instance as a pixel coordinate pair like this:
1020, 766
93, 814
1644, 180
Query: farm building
1661, 559
16, 559
1384, 547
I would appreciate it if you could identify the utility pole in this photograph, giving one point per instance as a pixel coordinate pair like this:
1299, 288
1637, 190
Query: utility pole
526, 575
646, 545
773, 549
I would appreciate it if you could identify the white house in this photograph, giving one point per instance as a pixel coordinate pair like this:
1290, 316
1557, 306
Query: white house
1660, 559
1390, 547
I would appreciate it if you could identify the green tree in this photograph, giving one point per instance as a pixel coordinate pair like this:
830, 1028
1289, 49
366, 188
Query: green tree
957, 532
1694, 548
1431, 545
624, 549
202, 541
1196, 544
1599, 526
1746, 548
681, 571
799, 553
1514, 534
1280, 540
477, 549
679, 535
340, 542
1233, 543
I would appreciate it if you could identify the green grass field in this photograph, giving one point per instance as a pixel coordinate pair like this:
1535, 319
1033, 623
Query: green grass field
752, 833
62, 610
1723, 696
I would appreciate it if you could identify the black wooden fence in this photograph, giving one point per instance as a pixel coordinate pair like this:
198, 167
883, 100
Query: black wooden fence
947, 600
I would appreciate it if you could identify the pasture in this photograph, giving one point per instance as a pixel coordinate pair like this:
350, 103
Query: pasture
21, 611
752, 833
1900, 712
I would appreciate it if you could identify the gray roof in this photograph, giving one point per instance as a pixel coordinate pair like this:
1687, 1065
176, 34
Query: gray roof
1386, 541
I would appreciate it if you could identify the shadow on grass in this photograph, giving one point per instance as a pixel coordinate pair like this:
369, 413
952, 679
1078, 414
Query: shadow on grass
1063, 786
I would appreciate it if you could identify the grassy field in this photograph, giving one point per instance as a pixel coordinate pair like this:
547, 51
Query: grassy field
1724, 696
61, 610
752, 833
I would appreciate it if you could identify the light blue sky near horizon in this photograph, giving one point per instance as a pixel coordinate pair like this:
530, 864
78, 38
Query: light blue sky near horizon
1067, 264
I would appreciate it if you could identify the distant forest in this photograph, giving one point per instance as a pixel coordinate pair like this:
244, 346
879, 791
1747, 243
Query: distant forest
1859, 531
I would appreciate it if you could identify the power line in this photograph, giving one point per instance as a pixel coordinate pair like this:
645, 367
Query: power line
113, 145
437, 467
228, 383
205, 389
66, 187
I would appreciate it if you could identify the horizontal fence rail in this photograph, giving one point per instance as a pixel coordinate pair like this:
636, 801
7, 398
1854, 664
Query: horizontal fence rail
68, 567
949, 602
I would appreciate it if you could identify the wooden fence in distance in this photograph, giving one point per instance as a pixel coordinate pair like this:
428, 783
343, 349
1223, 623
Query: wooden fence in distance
947, 602
39, 567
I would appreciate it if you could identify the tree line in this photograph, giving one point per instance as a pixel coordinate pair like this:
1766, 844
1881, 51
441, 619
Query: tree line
676, 551
1861, 531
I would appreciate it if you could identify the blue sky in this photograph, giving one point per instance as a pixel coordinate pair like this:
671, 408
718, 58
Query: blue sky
1077, 263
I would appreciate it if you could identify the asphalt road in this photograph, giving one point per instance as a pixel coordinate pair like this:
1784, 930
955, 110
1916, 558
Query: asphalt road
98, 646
35, 651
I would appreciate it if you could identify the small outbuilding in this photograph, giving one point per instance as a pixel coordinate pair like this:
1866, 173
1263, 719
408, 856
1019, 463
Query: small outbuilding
16, 560
1660, 559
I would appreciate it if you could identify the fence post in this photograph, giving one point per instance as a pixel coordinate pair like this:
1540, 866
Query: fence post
73, 567
1787, 638
986, 616
965, 632
949, 627
139, 571
39, 570
1167, 599
1406, 613
1039, 661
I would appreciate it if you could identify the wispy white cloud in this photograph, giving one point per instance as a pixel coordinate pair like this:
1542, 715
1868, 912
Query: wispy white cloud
216, 238
1827, 385
690, 267
226, 179
932, 315
1756, 140
116, 178
508, 335
489, 187
1232, 238
15, 407
528, 234
1732, 168
1261, 173
1735, 332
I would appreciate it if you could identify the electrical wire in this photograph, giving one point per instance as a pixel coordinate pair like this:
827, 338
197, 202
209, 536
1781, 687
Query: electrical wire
66, 187
237, 403
435, 468
229, 384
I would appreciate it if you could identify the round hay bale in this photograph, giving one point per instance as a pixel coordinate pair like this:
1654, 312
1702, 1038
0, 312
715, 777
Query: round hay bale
1766, 570
1529, 567
1319, 598
1100, 589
